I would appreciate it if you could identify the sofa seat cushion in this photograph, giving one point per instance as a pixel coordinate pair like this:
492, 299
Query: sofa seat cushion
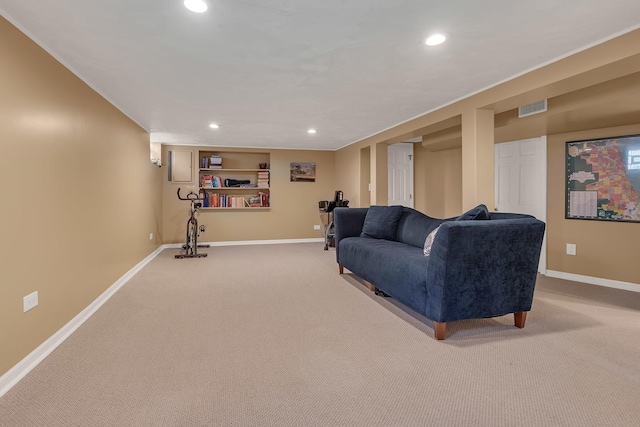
383, 262
381, 222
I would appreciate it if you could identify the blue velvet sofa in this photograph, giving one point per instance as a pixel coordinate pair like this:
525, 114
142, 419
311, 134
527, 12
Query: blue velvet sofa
479, 264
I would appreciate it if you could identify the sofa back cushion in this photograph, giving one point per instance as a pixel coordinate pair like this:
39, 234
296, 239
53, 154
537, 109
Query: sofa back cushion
381, 222
414, 226
479, 212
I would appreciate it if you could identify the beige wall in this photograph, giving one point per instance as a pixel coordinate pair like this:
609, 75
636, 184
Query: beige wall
350, 171
80, 196
294, 205
604, 249
438, 181
592, 93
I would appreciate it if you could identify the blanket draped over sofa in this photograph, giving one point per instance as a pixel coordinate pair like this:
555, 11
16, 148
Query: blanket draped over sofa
479, 264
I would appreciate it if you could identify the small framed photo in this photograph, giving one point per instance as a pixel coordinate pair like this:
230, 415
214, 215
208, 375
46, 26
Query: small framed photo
303, 172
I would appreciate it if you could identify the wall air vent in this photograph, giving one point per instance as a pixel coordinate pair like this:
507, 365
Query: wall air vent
533, 108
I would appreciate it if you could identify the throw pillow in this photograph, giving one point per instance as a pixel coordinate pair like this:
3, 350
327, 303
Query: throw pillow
479, 212
429, 241
381, 222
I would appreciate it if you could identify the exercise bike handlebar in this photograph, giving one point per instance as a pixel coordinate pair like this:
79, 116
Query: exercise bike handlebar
191, 196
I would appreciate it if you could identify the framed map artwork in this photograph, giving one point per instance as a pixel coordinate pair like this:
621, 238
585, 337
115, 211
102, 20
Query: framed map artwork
603, 179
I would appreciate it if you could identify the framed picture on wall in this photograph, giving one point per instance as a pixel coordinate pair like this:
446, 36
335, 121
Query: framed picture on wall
603, 179
303, 172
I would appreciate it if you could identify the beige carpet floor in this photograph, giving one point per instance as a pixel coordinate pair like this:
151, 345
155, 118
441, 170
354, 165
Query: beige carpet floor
273, 336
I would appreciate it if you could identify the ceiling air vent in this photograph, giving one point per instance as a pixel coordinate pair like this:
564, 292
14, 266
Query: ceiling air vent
533, 108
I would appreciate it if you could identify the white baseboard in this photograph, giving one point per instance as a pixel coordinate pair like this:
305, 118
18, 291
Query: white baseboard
252, 242
22, 368
627, 286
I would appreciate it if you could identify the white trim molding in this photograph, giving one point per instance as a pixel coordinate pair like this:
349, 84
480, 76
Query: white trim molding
22, 368
268, 242
251, 242
627, 286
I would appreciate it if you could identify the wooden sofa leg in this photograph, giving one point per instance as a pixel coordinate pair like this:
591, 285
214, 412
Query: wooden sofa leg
520, 318
440, 328
340, 268
369, 286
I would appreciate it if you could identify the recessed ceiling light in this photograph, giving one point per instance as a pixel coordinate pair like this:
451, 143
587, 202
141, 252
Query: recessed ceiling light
436, 39
311, 131
197, 6
214, 126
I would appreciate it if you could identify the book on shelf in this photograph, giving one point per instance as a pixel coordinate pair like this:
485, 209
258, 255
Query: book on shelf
206, 181
263, 179
212, 162
255, 201
264, 199
217, 200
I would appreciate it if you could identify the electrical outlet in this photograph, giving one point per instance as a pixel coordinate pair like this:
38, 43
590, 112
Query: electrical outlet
30, 301
571, 248
150, 236
316, 227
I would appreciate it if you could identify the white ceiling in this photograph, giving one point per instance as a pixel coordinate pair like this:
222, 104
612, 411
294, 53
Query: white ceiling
268, 70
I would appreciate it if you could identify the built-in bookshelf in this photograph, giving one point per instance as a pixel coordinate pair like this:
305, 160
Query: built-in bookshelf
235, 180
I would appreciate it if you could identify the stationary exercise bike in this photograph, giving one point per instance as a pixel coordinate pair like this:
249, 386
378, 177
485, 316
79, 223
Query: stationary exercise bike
190, 248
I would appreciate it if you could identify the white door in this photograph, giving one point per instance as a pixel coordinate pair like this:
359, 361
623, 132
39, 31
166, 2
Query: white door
400, 174
521, 181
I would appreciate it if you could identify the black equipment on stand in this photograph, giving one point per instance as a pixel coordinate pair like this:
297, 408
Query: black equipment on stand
328, 207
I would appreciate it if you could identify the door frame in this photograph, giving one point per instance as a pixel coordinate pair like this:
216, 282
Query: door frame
541, 213
411, 169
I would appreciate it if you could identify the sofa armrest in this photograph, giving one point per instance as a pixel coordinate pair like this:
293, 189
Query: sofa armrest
483, 268
348, 222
